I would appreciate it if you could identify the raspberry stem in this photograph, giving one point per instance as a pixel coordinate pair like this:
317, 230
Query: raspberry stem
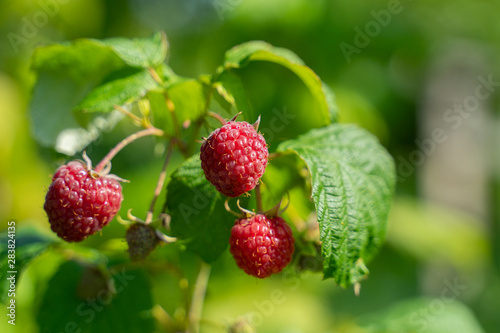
133, 117
258, 197
159, 185
129, 139
217, 116
199, 292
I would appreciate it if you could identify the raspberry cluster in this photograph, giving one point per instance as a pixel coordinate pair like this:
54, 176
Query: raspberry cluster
234, 157
261, 245
80, 203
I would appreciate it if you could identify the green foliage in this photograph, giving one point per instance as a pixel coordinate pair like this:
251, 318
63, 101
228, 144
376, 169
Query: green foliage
140, 52
241, 55
123, 305
89, 75
230, 92
123, 87
27, 247
189, 99
423, 315
353, 181
352, 197
352, 175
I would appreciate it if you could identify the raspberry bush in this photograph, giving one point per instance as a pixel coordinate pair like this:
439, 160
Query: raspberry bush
337, 179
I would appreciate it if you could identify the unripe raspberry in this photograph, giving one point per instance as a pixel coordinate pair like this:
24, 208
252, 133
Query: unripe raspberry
234, 158
261, 245
141, 240
80, 203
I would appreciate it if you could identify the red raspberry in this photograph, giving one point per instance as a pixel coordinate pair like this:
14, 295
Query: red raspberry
234, 158
261, 245
141, 240
80, 203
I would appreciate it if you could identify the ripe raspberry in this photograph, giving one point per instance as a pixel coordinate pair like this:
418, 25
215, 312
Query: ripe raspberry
261, 245
79, 203
234, 158
141, 240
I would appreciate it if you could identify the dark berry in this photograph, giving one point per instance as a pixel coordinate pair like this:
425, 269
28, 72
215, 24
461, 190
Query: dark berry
141, 240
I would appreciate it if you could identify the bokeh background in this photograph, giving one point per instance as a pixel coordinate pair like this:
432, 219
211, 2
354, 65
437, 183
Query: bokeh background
423, 76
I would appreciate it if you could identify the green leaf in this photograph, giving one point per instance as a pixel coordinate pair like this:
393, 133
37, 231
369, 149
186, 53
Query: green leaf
331, 101
66, 72
189, 99
353, 180
161, 117
27, 247
83, 60
419, 315
140, 52
126, 309
230, 88
73, 73
241, 55
54, 125
121, 88
197, 211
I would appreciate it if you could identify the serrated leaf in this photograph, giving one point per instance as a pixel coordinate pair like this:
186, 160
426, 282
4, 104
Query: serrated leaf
197, 211
243, 54
83, 60
53, 123
121, 88
127, 309
67, 72
27, 247
140, 52
353, 180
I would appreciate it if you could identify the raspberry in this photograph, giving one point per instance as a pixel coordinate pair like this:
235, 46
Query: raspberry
141, 240
261, 245
80, 203
234, 158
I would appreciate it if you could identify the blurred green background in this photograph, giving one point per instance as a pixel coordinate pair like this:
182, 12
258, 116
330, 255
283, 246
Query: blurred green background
402, 69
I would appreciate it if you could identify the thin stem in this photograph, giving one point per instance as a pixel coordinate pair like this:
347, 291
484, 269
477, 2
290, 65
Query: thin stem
155, 75
200, 290
129, 114
199, 123
274, 155
177, 126
217, 116
258, 197
171, 109
159, 185
124, 143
